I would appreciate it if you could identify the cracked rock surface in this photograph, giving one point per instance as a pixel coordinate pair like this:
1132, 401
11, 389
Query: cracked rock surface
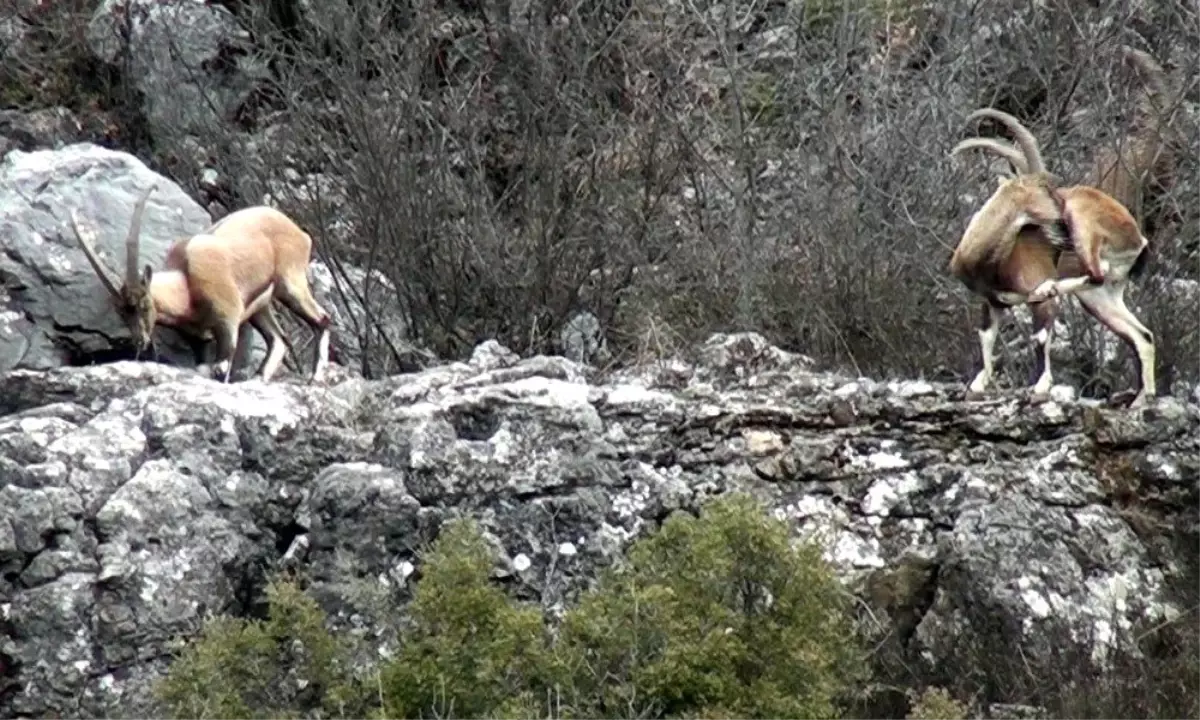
136, 498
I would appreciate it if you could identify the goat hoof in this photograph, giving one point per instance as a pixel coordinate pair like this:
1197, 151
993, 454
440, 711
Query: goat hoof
1140, 400
1037, 397
1042, 293
1130, 399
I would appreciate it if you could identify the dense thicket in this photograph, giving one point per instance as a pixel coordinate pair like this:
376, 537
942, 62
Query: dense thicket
679, 168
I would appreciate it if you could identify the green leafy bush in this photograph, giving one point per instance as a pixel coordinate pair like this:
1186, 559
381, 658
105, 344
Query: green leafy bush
716, 615
288, 666
935, 703
469, 649
713, 616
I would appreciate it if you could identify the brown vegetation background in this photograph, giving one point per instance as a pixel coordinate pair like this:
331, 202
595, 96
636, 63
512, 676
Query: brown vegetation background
673, 168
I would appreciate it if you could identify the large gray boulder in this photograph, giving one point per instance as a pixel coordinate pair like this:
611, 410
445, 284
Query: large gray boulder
55, 309
190, 60
55, 312
136, 499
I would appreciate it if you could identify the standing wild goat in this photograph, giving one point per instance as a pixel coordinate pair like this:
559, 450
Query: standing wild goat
1032, 241
216, 281
1141, 165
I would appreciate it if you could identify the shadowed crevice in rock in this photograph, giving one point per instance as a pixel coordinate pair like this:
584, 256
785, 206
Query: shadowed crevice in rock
137, 498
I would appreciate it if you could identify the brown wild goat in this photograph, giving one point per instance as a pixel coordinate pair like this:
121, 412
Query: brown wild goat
1142, 164
214, 282
1032, 242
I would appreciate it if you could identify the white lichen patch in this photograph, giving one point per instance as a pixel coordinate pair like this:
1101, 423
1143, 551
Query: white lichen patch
848, 390
850, 551
828, 525
1052, 412
636, 397
1034, 597
7, 317
885, 458
545, 392
1059, 455
911, 388
632, 502
887, 492
885, 461
104, 443
149, 589
502, 445
1063, 394
918, 542
274, 403
762, 442
44, 431
1165, 468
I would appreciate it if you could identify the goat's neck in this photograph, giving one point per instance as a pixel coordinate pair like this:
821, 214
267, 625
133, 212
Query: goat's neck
990, 233
172, 298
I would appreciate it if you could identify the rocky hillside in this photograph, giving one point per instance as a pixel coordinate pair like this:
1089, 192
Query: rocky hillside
535, 224
138, 498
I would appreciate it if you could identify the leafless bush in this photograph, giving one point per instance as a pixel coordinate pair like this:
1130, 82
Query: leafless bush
45, 63
684, 167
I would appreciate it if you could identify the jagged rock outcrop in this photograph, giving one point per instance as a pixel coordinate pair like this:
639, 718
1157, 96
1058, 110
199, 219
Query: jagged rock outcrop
137, 498
53, 309
192, 61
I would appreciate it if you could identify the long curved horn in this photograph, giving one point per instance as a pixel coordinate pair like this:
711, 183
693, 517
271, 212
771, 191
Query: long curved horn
132, 241
102, 271
1001, 148
1024, 138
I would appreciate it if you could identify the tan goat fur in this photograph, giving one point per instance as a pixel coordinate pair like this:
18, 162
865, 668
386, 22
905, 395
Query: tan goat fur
1032, 241
1142, 162
213, 283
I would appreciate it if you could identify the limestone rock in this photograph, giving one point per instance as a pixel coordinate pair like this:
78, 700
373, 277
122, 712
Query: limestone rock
136, 498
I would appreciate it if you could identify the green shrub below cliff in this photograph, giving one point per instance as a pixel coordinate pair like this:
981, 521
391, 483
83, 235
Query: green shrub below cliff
720, 615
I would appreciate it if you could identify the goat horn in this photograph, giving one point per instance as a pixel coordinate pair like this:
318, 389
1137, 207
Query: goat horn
1005, 150
1024, 138
89, 252
133, 239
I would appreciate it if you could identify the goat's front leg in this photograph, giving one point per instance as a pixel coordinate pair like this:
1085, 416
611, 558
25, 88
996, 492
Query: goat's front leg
1043, 331
989, 329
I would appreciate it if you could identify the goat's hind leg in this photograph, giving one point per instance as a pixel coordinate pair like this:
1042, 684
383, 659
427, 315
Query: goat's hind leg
267, 325
295, 294
1107, 304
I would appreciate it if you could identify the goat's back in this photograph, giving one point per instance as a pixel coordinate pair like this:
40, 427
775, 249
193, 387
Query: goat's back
251, 248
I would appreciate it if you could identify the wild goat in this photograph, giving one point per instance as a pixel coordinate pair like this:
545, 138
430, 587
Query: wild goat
1032, 241
1142, 165
214, 282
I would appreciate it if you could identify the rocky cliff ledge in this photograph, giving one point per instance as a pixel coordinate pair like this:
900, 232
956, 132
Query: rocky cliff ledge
135, 499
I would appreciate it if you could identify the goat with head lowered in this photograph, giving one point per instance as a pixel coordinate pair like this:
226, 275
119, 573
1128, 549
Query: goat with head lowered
214, 282
1033, 241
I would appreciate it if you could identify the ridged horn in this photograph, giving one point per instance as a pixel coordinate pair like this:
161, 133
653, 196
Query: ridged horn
1024, 138
133, 240
999, 147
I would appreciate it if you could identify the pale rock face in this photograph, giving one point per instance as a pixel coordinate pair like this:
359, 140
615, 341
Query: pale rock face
59, 314
171, 46
167, 491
